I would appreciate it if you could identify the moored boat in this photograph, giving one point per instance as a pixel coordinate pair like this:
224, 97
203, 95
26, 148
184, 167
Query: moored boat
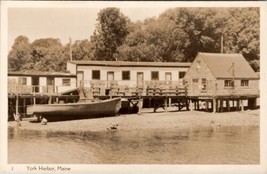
71, 111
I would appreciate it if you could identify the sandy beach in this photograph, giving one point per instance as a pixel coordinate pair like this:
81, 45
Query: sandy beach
150, 120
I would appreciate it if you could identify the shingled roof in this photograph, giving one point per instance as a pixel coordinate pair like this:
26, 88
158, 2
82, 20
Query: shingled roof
221, 65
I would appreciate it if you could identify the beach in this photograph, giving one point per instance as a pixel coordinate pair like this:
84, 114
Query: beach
149, 120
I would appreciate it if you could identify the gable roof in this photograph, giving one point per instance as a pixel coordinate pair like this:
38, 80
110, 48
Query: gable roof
130, 63
223, 65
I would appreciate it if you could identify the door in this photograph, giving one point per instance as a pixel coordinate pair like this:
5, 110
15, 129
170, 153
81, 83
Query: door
50, 85
195, 87
35, 84
140, 79
168, 77
80, 79
110, 78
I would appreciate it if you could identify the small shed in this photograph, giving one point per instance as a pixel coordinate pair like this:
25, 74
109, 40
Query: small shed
221, 76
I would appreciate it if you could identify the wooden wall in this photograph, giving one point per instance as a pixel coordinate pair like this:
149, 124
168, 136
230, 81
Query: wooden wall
252, 89
198, 71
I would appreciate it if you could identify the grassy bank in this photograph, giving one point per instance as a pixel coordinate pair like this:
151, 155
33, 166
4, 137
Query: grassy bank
149, 120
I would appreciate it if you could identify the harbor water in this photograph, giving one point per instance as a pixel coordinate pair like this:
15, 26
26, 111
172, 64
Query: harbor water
203, 145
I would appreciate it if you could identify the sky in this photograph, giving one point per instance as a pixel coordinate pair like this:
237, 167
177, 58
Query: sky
62, 23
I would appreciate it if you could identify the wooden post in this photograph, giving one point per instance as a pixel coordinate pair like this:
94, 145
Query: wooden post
228, 105
217, 105
221, 105
198, 105
170, 102
50, 99
207, 105
214, 104
187, 105
24, 105
17, 104
195, 105
140, 106
242, 105
149, 102
34, 99
191, 105
237, 105
165, 104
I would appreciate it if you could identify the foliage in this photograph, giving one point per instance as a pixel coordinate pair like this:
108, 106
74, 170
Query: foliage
177, 35
20, 55
110, 33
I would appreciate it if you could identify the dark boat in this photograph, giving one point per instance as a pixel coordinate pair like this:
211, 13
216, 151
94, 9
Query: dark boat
71, 111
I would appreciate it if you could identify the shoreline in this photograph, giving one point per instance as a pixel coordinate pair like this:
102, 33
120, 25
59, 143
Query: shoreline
149, 120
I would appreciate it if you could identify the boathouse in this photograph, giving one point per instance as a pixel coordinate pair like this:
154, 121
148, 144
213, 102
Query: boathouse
222, 81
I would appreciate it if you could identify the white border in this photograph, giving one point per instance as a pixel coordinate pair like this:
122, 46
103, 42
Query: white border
244, 169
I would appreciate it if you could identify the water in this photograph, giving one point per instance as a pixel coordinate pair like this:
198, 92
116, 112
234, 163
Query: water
206, 145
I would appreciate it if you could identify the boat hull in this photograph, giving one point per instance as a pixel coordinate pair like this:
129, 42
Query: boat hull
71, 111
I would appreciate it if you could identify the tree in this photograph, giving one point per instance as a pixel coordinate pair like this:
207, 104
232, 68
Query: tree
19, 57
203, 28
81, 50
242, 32
110, 33
47, 55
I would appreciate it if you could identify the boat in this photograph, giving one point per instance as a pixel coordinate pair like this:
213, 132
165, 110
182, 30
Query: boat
72, 111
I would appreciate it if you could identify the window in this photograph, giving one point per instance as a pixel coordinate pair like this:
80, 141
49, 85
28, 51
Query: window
203, 84
244, 82
96, 75
65, 82
125, 75
24, 81
154, 75
181, 74
228, 83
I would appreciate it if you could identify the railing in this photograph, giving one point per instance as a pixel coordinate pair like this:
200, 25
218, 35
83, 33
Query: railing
133, 88
32, 89
109, 88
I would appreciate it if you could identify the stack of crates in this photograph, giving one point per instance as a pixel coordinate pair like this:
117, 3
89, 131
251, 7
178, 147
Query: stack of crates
114, 88
150, 88
164, 88
98, 87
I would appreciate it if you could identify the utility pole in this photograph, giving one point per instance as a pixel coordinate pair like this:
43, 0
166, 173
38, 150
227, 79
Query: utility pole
221, 42
70, 49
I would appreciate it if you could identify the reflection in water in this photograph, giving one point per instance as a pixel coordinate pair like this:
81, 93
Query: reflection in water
205, 145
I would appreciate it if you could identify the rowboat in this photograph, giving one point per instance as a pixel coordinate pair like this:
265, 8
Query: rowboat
71, 111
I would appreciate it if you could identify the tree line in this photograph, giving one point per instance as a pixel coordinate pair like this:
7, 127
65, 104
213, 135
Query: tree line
177, 35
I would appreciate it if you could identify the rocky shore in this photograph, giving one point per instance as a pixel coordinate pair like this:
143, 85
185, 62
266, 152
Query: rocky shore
150, 120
